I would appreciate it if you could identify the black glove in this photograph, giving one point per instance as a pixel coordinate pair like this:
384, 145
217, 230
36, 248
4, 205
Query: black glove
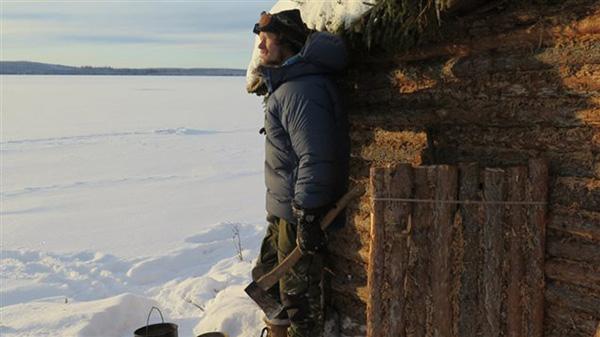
309, 236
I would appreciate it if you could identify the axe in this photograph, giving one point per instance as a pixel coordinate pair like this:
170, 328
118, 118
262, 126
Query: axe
257, 290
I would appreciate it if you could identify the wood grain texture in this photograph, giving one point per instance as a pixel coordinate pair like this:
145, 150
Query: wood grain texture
375, 272
493, 244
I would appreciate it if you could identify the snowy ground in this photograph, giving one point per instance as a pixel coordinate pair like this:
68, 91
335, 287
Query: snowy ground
123, 193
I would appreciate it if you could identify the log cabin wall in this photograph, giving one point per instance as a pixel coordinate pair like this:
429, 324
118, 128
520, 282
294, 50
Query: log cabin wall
504, 85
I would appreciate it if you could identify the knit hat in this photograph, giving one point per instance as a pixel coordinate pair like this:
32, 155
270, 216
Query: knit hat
287, 23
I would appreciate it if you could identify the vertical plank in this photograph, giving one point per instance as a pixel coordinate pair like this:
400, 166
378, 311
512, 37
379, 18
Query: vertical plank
517, 178
397, 227
443, 214
470, 312
493, 245
419, 306
537, 190
376, 258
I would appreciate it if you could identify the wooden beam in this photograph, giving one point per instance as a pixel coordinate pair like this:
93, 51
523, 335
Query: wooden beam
537, 190
517, 216
418, 281
470, 315
375, 271
574, 273
442, 230
396, 260
493, 245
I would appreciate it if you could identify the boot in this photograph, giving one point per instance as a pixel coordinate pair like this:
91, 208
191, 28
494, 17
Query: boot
275, 328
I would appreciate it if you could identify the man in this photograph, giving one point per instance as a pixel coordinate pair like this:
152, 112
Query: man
306, 165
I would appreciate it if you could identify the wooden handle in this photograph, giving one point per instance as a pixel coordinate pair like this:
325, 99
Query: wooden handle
269, 279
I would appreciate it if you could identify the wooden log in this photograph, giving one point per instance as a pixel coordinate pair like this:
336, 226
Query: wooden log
469, 312
572, 164
419, 300
571, 248
517, 217
563, 321
574, 273
493, 245
537, 191
376, 266
396, 258
428, 80
541, 138
574, 297
577, 222
577, 193
443, 219
480, 113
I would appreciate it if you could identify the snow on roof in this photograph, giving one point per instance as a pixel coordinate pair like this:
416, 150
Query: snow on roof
329, 15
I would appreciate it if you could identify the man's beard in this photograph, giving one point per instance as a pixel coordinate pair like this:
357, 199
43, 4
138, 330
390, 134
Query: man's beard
270, 62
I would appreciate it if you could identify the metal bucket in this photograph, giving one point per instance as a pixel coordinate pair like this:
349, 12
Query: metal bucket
156, 330
213, 334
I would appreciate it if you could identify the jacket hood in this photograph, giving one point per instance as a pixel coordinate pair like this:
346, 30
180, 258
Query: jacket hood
323, 53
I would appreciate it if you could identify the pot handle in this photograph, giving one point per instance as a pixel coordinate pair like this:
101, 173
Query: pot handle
148, 319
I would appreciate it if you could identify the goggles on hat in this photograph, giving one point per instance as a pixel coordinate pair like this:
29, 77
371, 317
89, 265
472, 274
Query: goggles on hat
264, 21
270, 23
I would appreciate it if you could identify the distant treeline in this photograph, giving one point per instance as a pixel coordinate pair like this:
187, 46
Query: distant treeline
36, 68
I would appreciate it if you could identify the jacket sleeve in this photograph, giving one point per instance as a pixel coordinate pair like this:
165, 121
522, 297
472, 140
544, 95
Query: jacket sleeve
311, 127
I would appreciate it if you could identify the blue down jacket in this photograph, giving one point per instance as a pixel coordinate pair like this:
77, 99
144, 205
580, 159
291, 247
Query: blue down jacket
307, 140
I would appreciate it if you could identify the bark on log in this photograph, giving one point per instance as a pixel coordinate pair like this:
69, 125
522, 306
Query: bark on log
443, 220
517, 217
537, 190
396, 232
493, 244
462, 106
574, 249
419, 298
577, 193
484, 113
574, 273
563, 321
577, 222
573, 164
375, 312
574, 297
470, 312
577, 139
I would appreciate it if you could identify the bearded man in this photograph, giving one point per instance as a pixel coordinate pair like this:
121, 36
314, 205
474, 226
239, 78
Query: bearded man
306, 164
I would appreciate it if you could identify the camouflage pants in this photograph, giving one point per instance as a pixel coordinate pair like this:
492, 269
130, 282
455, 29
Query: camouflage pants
300, 289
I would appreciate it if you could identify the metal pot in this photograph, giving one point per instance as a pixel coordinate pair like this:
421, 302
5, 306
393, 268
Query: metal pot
213, 334
156, 330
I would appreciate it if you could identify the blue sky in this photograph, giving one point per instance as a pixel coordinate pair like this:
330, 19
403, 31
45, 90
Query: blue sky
148, 33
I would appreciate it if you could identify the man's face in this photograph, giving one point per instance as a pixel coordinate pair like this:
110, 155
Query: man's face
271, 52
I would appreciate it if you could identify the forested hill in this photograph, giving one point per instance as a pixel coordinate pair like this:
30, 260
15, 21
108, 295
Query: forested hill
36, 68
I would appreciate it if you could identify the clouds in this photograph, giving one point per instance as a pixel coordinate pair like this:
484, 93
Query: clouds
56, 31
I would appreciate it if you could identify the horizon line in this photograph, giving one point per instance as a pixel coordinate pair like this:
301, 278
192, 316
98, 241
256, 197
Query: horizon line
112, 67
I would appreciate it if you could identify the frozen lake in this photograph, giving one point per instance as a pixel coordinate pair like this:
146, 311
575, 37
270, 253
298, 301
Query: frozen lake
127, 165
119, 193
